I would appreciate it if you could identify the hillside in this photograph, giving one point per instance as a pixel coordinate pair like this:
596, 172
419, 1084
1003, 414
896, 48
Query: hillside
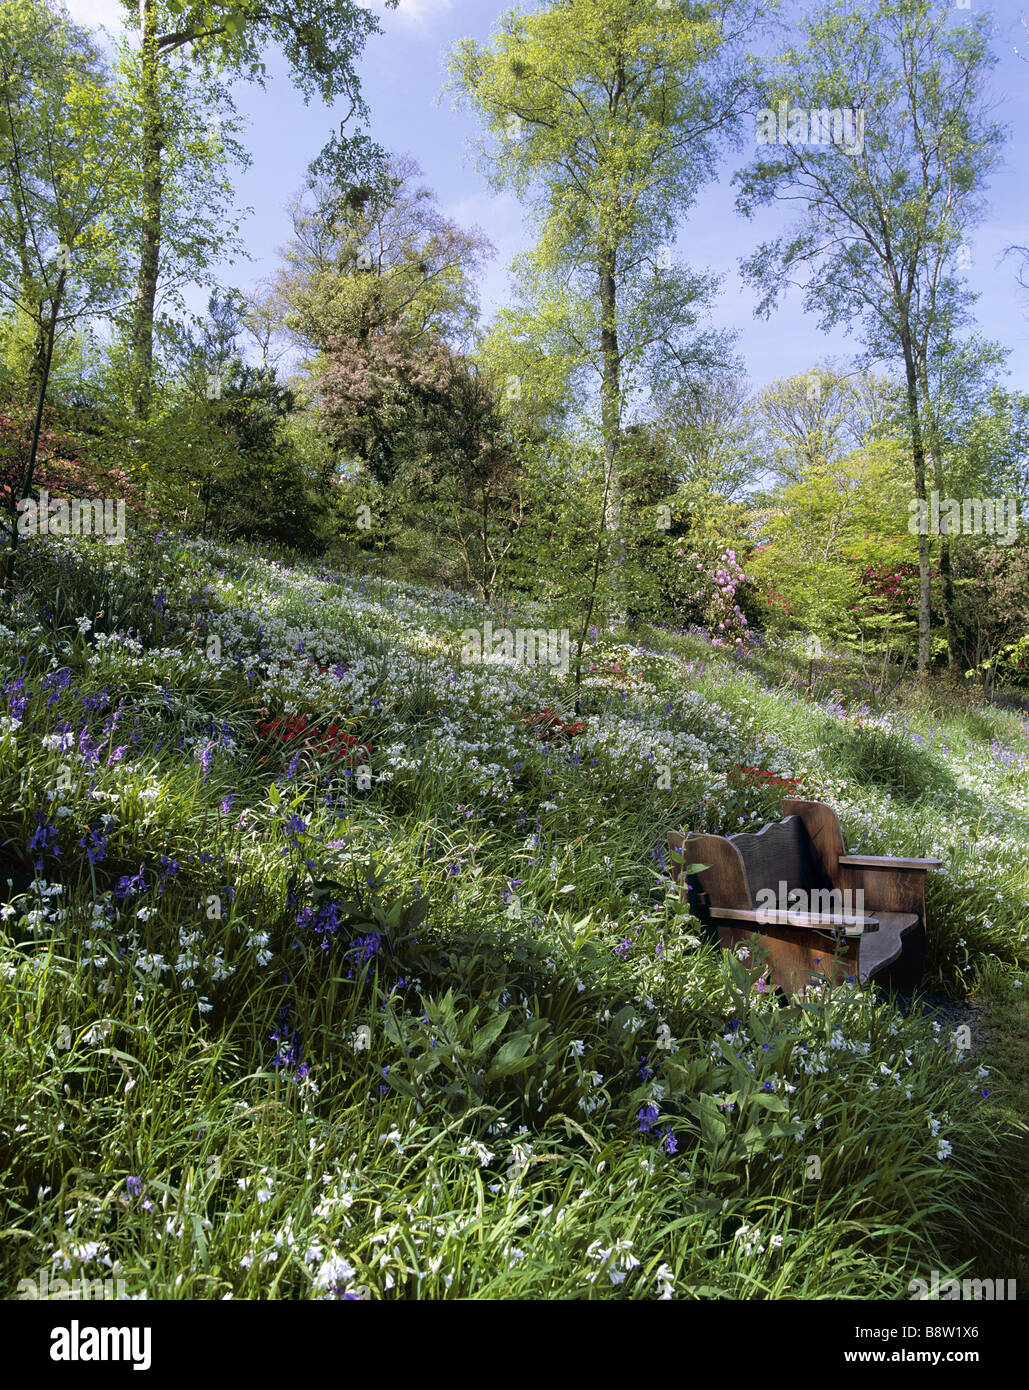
335, 965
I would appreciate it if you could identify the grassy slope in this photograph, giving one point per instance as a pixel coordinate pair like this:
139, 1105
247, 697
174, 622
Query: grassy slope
429, 1021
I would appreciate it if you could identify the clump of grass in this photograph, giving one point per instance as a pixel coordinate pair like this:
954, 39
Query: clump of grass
886, 758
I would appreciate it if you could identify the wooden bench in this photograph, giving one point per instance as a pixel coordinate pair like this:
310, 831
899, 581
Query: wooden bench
825, 929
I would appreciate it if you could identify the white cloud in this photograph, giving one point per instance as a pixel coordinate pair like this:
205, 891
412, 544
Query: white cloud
412, 14
93, 14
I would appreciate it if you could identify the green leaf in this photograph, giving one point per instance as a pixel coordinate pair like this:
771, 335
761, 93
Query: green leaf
770, 1102
736, 970
487, 1035
511, 1058
712, 1126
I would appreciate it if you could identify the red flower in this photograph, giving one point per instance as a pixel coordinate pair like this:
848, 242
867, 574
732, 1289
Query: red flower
333, 742
548, 725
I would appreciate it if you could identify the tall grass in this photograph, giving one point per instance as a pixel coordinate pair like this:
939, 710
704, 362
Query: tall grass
273, 1033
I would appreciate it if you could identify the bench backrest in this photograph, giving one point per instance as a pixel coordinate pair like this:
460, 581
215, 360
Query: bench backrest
779, 853
802, 851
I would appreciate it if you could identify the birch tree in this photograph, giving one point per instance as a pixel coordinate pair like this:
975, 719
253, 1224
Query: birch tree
605, 117
884, 216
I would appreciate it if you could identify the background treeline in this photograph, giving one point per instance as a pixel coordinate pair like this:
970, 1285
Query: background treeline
596, 450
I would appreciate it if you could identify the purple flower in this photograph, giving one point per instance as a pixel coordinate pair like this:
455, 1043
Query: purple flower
647, 1117
363, 949
55, 682
44, 839
17, 703
127, 886
294, 827
288, 1052
94, 842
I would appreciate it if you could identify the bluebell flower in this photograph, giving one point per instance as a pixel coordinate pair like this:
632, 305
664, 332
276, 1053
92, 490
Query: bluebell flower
647, 1117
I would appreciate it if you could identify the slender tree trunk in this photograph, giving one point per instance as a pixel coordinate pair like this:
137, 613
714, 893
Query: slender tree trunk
946, 555
594, 584
924, 564
8, 580
38, 368
150, 233
610, 413
485, 544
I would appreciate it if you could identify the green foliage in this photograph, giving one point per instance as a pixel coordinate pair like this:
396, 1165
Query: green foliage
820, 532
382, 257
606, 119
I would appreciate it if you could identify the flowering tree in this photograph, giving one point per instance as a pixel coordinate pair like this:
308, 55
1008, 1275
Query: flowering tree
707, 577
64, 463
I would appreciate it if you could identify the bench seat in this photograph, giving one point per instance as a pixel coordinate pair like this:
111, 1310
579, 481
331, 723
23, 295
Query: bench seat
882, 948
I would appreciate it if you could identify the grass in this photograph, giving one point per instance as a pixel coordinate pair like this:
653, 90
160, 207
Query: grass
429, 1021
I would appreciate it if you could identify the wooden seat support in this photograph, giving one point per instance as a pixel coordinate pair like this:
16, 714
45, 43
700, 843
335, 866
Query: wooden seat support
817, 911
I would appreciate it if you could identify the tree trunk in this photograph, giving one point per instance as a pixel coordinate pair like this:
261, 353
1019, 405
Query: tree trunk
485, 544
594, 585
924, 570
610, 415
8, 579
946, 559
150, 232
38, 368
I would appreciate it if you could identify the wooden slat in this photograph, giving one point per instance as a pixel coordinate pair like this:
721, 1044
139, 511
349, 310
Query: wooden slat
777, 853
810, 921
880, 861
724, 880
825, 837
887, 945
796, 957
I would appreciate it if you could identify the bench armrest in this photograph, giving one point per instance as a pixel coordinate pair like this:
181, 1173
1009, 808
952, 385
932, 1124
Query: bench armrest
886, 862
812, 921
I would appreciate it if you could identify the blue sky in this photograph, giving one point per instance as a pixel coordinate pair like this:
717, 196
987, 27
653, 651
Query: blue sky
403, 74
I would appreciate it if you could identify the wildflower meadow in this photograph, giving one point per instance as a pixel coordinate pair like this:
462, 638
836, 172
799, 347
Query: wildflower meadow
335, 967
452, 458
